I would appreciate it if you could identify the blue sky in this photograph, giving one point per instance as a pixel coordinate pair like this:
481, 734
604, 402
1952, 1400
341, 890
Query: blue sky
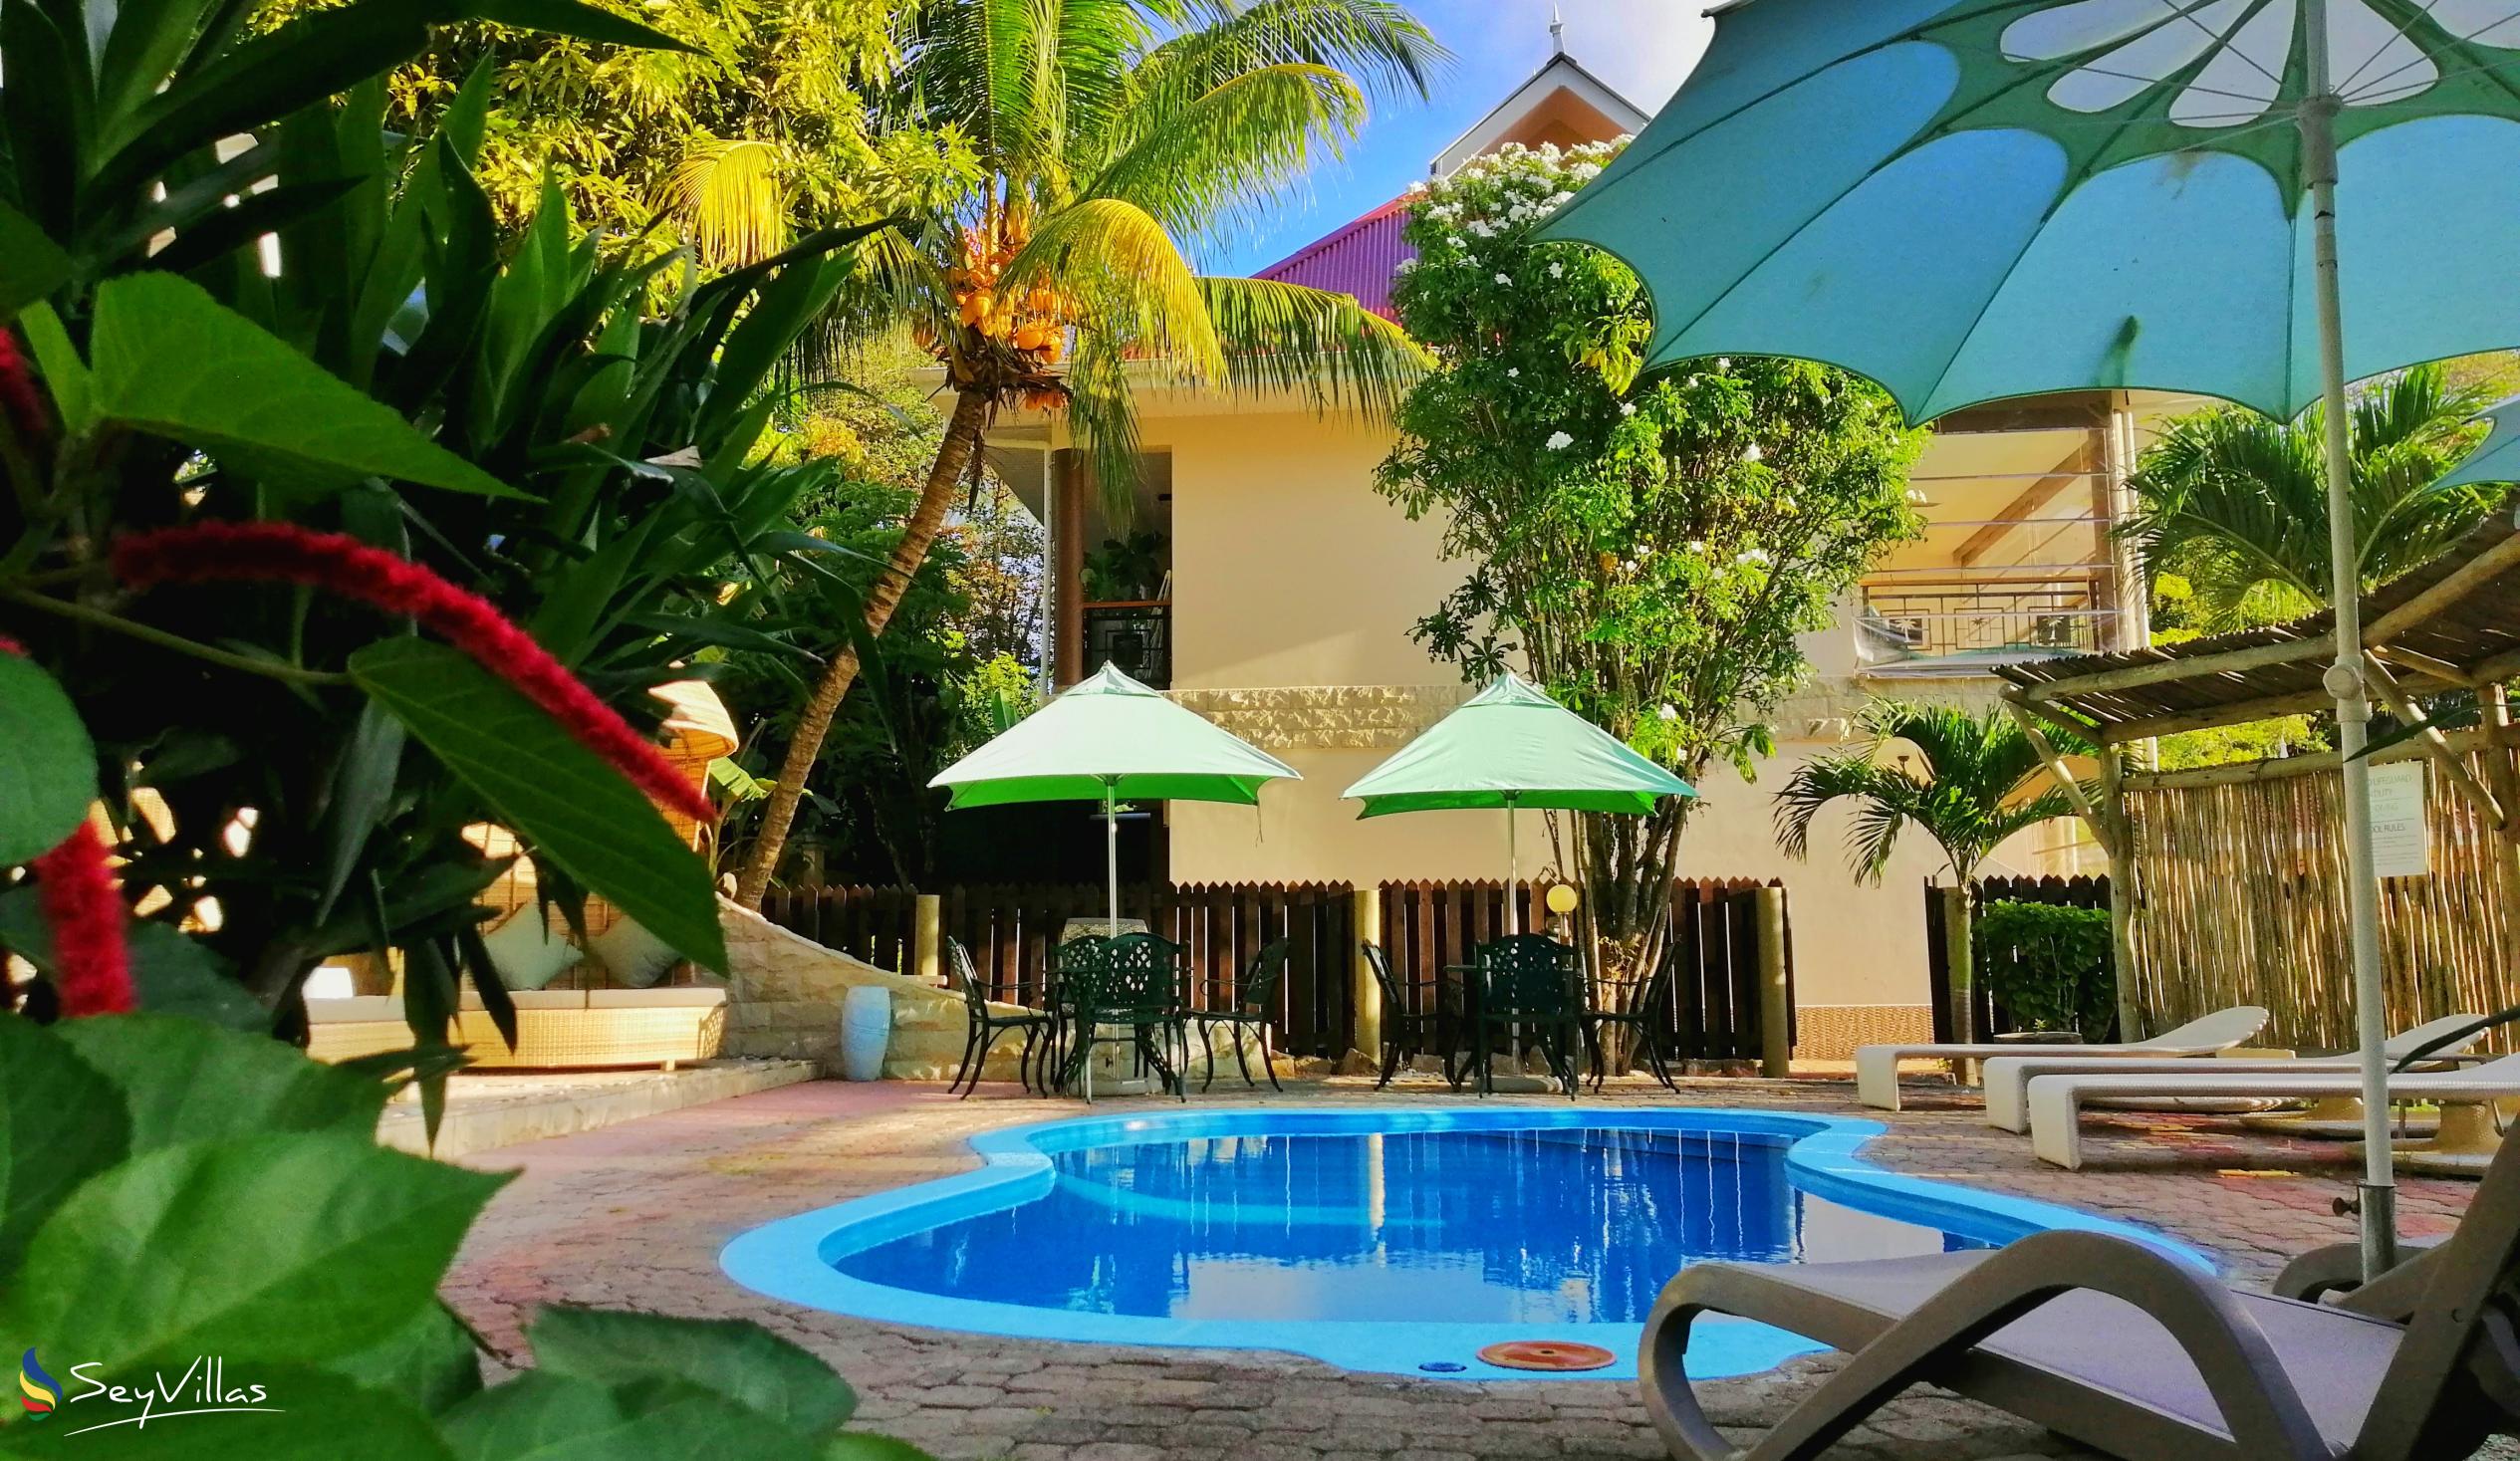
1643, 48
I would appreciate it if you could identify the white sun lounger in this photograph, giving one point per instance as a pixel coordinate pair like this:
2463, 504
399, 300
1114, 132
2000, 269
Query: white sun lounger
2056, 1102
1877, 1066
2007, 1078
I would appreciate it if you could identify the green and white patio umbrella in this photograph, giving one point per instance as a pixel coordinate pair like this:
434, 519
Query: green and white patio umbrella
1968, 200
1109, 739
1513, 747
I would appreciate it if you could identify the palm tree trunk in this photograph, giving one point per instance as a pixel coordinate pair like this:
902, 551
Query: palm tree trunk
953, 458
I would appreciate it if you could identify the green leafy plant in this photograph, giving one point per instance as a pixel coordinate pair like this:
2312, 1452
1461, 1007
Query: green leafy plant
146, 1235
2236, 505
1966, 781
287, 771
1111, 138
1124, 569
2049, 965
1649, 548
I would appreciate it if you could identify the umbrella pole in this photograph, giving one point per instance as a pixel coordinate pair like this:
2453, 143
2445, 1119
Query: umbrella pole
2378, 1205
1513, 872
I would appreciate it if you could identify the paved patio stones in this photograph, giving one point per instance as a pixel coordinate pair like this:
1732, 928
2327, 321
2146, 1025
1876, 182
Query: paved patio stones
633, 1216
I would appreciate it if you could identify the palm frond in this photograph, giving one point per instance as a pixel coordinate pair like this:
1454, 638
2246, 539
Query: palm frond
728, 198
1288, 337
2238, 503
1213, 165
1132, 286
1379, 42
1103, 417
1818, 781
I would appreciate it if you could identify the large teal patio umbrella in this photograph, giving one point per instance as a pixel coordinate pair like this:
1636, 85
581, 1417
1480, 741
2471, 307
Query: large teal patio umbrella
1109, 739
1968, 200
1511, 747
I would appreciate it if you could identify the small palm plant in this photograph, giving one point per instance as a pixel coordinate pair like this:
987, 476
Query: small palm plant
1980, 781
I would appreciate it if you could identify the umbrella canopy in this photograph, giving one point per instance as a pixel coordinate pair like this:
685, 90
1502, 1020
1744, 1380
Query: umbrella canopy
1513, 746
1109, 737
1973, 199
2497, 457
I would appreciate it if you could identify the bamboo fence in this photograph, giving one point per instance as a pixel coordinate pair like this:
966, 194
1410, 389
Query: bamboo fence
2240, 874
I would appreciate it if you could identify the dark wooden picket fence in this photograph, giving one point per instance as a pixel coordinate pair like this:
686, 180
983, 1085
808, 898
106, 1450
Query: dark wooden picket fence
1010, 930
876, 924
1992, 1019
1715, 1010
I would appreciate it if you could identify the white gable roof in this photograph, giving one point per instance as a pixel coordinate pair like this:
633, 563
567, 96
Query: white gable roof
1563, 72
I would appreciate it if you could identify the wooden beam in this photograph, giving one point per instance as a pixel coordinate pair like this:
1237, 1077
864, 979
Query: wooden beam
2074, 468
2495, 668
2458, 584
2170, 667
2436, 744
2104, 827
2280, 768
2238, 712
2425, 665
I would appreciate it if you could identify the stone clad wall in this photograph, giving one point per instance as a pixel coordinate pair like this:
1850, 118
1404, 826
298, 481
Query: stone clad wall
783, 995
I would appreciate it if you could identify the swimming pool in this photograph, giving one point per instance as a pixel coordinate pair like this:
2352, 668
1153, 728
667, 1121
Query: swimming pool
1394, 1241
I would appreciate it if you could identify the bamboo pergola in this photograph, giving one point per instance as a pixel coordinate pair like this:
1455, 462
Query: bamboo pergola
2452, 625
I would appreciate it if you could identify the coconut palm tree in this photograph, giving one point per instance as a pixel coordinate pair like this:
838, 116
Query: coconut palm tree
1980, 781
2237, 504
1112, 138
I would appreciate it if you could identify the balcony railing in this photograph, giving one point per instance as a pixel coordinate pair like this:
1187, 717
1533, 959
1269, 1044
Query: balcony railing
1899, 625
1135, 635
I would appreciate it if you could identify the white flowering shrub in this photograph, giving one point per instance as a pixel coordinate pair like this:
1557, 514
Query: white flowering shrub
1652, 544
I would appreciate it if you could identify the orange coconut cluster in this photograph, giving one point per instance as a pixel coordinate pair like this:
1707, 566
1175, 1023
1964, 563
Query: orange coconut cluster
1033, 322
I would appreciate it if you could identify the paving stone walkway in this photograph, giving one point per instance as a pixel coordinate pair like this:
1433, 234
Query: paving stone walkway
633, 1216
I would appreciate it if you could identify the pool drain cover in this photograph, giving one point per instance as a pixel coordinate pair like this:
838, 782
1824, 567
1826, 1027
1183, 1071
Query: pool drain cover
1549, 1355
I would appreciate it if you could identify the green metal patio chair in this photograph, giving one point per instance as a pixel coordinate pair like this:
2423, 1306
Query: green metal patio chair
986, 1025
1131, 985
1527, 992
1249, 1010
1417, 1017
1641, 1005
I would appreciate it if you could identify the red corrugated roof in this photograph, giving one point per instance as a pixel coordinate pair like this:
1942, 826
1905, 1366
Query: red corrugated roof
1361, 258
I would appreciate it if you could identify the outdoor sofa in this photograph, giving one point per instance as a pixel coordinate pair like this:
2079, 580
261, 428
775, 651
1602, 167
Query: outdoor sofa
2115, 1344
555, 1029
2007, 1079
1877, 1066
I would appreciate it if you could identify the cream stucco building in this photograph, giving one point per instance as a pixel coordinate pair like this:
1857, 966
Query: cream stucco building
1287, 585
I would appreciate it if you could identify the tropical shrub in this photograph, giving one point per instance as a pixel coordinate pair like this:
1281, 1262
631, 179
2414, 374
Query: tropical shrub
321, 506
334, 524
1650, 548
257, 1257
2048, 965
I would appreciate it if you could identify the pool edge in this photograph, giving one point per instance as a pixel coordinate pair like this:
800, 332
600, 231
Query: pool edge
788, 1258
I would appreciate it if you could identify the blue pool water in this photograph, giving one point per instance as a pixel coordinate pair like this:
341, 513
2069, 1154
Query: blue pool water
1377, 1240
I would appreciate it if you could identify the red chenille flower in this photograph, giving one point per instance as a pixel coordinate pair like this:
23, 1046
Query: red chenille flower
285, 553
76, 894
19, 398
74, 888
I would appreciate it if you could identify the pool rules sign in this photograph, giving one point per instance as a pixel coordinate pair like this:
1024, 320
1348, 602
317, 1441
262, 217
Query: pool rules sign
2402, 844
